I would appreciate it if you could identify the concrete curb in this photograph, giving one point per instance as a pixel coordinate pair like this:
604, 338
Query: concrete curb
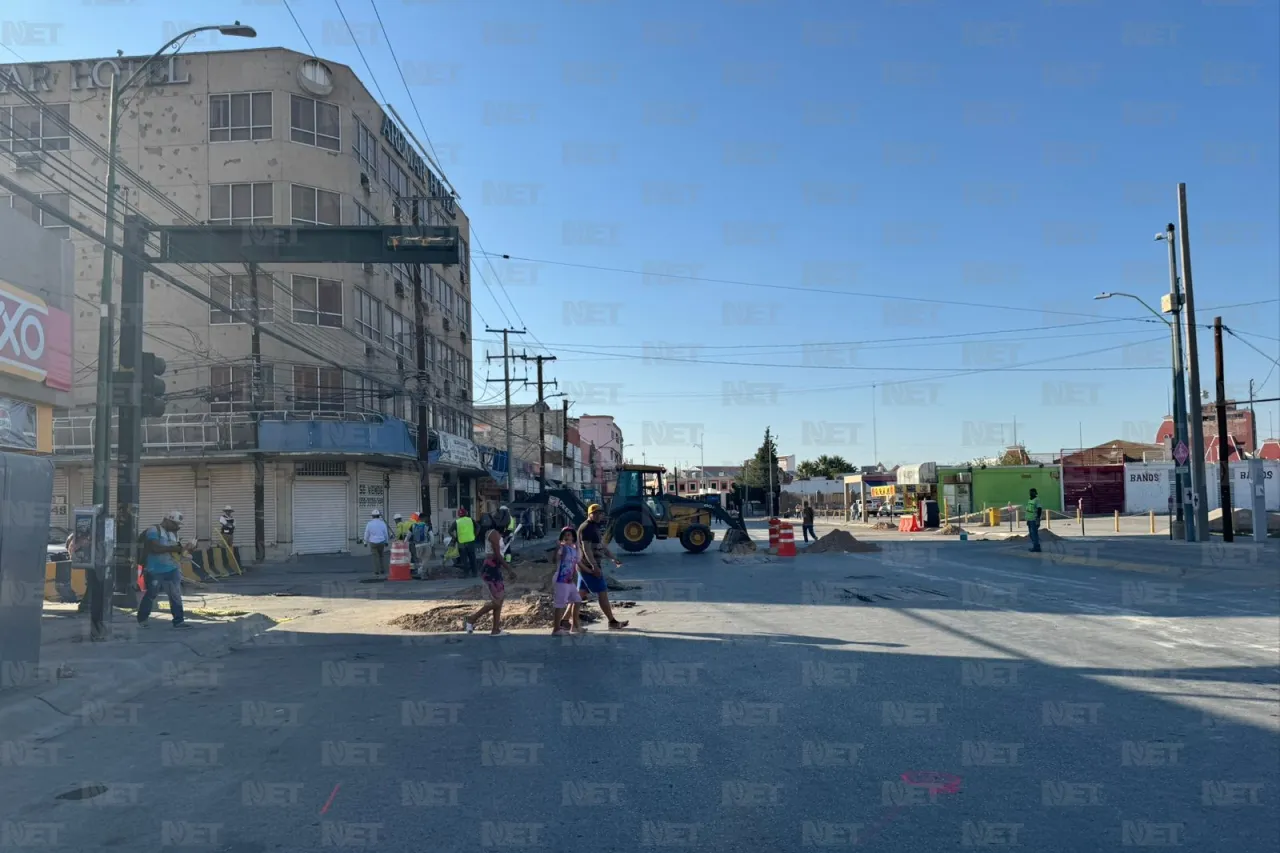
58, 709
1231, 576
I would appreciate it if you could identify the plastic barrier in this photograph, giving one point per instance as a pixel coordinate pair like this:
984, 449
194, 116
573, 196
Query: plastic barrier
909, 524
775, 525
401, 569
786, 540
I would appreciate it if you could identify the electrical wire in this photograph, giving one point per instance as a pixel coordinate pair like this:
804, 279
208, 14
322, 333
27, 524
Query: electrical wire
301, 31
360, 50
1250, 346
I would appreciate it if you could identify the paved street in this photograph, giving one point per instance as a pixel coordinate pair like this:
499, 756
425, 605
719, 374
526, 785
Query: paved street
934, 694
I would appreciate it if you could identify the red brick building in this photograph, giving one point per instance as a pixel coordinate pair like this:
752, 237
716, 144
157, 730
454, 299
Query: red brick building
1239, 426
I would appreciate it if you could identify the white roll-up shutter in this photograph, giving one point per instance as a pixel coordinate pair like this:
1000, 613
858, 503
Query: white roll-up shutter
406, 492
232, 485
163, 490
86, 487
371, 492
319, 515
60, 510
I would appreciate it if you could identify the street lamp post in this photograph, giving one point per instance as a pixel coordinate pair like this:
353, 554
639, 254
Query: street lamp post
1173, 303
102, 405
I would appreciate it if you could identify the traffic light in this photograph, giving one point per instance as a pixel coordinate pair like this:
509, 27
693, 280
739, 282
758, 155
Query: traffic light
152, 369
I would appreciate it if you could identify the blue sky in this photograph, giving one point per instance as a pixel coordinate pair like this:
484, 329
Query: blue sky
986, 167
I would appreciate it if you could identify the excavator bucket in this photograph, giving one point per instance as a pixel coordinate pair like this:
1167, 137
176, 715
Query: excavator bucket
735, 538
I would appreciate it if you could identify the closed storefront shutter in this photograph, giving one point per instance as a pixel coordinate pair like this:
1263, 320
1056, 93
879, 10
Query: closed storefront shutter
406, 493
59, 510
164, 490
86, 487
232, 485
372, 493
319, 515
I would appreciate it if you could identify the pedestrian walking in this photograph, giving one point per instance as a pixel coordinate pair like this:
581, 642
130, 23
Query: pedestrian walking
492, 575
565, 583
161, 568
1034, 511
593, 549
376, 536
227, 527
806, 523
463, 531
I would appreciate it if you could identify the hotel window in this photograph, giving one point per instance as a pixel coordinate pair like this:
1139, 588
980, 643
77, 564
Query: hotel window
368, 316
311, 206
240, 204
235, 291
314, 123
230, 388
398, 185
366, 148
59, 201
317, 389
240, 117
317, 301
399, 336
40, 128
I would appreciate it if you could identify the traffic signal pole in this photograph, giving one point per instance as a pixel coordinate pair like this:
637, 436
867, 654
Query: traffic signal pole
129, 397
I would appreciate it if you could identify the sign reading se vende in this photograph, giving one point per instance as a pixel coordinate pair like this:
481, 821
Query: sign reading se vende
35, 339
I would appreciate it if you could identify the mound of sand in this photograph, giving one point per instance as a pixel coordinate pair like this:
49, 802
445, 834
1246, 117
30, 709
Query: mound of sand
950, 530
1045, 536
742, 548
840, 542
884, 525
531, 610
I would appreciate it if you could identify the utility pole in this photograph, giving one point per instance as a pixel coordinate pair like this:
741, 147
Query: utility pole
420, 363
1196, 411
130, 430
255, 404
506, 381
100, 583
542, 424
564, 435
1224, 448
1253, 421
1186, 515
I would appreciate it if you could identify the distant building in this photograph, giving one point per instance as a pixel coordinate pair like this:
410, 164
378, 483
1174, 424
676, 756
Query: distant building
1240, 426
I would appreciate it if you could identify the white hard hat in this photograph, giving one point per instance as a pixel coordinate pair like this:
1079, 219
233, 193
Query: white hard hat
175, 517
399, 517
227, 508
376, 513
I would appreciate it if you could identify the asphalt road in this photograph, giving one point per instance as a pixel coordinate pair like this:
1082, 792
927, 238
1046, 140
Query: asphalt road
935, 696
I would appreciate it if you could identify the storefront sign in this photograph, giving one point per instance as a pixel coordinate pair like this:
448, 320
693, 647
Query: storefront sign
92, 74
455, 450
916, 475
400, 142
883, 491
17, 425
35, 340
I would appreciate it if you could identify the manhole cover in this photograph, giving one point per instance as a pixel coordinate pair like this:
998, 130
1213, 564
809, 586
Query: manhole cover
88, 792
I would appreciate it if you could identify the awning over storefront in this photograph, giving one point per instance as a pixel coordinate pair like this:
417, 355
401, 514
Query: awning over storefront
921, 474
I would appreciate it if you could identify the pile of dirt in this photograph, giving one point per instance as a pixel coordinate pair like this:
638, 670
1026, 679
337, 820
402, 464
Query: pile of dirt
532, 610
742, 548
840, 542
1045, 536
950, 530
884, 525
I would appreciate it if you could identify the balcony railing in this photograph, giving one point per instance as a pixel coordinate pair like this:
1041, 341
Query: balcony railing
195, 432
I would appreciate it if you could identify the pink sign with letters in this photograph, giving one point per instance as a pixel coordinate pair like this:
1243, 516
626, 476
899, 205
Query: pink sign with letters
35, 338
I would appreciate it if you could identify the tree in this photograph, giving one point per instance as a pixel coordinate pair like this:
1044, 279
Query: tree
756, 470
824, 466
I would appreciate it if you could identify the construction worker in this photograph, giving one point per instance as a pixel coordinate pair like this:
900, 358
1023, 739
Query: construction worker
402, 528
1034, 511
463, 531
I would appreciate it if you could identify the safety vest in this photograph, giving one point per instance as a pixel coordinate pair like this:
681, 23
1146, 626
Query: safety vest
402, 530
1033, 510
466, 530
511, 525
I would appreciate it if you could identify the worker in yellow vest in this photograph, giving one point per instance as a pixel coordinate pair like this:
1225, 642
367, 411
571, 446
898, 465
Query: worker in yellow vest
464, 533
1034, 511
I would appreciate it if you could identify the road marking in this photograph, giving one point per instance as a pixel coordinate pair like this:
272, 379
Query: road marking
329, 801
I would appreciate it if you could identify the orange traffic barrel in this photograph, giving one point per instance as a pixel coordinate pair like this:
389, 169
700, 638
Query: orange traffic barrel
400, 567
786, 541
774, 527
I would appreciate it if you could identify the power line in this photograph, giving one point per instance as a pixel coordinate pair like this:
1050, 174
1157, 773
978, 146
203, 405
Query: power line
1251, 346
359, 50
301, 31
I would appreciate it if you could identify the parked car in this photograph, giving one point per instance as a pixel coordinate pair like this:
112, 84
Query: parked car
56, 548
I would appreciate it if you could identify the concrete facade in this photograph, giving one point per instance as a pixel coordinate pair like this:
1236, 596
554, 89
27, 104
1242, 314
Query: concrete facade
253, 138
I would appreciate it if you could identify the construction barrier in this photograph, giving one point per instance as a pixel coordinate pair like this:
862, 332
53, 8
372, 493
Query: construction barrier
401, 568
63, 583
774, 529
909, 524
786, 540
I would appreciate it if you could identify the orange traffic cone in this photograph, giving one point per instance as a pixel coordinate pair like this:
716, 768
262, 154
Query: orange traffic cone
400, 567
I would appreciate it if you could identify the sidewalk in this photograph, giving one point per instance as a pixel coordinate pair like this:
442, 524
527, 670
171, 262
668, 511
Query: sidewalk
1242, 562
78, 681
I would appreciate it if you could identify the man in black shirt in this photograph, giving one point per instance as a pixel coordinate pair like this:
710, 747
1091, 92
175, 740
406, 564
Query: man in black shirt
806, 523
590, 570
